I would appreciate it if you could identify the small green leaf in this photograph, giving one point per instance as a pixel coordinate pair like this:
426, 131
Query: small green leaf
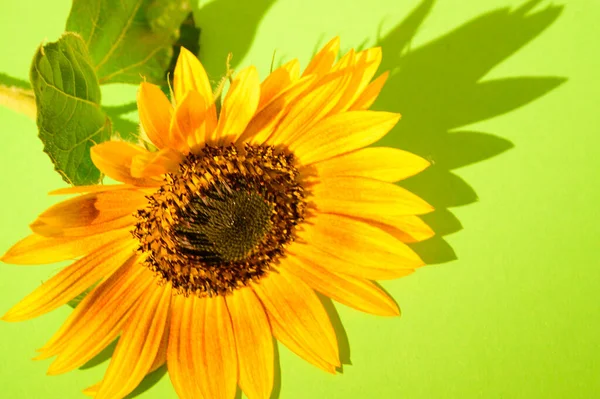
69, 118
129, 39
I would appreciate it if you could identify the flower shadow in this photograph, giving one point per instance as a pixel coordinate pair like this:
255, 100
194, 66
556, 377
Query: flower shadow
438, 88
151, 379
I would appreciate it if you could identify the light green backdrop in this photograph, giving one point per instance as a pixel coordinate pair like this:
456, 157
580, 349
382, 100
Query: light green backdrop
504, 100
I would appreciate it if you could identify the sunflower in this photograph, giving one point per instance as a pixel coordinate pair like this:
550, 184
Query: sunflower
225, 224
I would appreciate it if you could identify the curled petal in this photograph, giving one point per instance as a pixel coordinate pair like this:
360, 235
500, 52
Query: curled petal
239, 106
298, 319
114, 159
323, 60
155, 112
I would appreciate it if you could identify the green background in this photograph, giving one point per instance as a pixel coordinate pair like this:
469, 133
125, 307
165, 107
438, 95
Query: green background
501, 95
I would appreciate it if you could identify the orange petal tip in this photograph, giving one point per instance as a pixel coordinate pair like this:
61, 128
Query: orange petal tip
9, 317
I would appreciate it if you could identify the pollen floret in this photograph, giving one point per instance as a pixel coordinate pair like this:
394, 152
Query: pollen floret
223, 220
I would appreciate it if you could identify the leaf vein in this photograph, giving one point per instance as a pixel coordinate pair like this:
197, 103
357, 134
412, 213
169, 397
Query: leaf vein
94, 24
77, 65
103, 79
48, 84
69, 149
121, 36
58, 89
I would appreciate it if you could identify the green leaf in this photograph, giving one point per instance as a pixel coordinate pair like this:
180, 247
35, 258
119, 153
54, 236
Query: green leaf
129, 39
69, 118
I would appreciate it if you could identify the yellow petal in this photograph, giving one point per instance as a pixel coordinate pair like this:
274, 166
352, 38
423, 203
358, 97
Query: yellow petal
114, 159
355, 248
360, 68
93, 305
298, 319
310, 109
351, 74
159, 360
90, 214
323, 60
344, 62
95, 229
92, 208
92, 390
364, 67
89, 189
98, 319
190, 75
138, 345
408, 228
239, 106
155, 112
278, 81
293, 68
161, 354
188, 121
273, 85
381, 163
315, 255
355, 292
72, 281
368, 96
157, 163
36, 250
358, 242
254, 343
214, 348
263, 124
181, 363
342, 133
371, 58
366, 199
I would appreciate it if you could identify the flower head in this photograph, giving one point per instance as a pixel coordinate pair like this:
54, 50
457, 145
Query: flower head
217, 239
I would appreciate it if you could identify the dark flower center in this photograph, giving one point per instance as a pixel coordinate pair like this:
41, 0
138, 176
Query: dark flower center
223, 220
224, 227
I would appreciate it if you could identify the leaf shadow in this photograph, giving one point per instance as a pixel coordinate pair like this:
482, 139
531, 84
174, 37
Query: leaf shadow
228, 26
438, 88
122, 127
